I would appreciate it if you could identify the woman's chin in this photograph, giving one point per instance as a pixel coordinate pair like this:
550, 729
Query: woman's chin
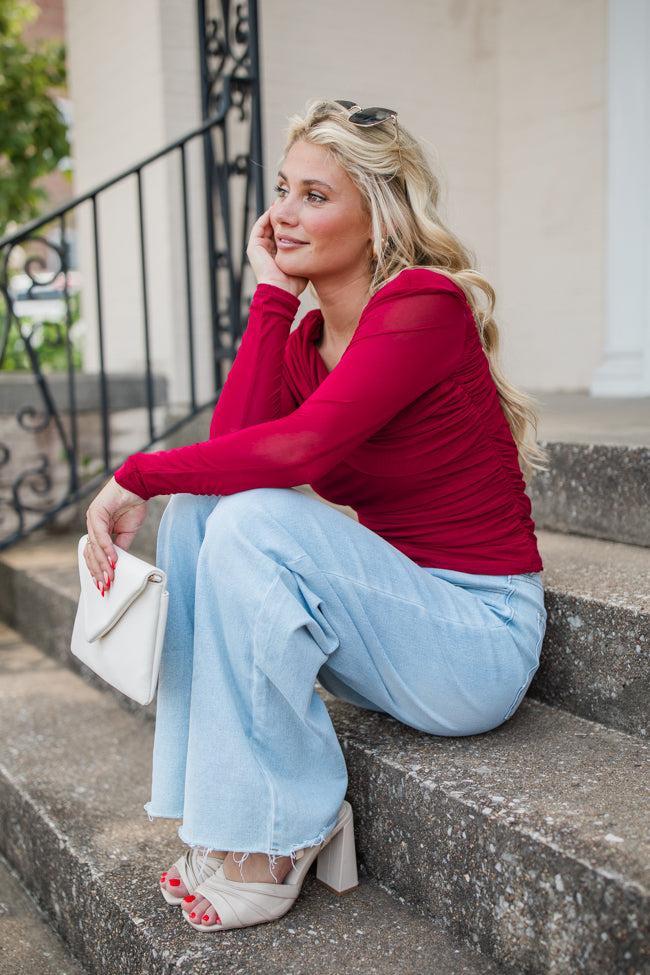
290, 259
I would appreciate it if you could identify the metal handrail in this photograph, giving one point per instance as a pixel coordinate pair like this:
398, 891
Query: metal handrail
241, 80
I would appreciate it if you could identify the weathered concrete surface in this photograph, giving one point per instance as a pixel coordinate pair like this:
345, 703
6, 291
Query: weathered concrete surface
533, 838
599, 480
28, 945
530, 842
595, 489
595, 659
74, 774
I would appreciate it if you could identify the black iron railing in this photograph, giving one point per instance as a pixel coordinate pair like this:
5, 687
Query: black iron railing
34, 487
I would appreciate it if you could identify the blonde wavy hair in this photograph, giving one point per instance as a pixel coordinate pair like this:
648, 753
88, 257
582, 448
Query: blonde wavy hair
400, 193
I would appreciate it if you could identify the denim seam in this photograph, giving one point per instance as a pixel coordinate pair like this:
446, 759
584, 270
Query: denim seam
531, 671
425, 609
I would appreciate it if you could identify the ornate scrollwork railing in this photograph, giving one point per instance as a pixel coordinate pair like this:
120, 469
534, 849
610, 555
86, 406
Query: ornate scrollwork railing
43, 468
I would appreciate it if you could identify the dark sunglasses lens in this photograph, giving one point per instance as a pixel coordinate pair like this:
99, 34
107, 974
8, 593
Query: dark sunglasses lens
369, 116
340, 101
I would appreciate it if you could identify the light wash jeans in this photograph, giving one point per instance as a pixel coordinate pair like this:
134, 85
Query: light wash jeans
271, 589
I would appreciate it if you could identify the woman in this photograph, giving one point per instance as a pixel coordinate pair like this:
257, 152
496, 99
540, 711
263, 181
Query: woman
429, 607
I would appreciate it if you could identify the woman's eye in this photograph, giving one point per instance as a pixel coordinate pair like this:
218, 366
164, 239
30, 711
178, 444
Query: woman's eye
314, 196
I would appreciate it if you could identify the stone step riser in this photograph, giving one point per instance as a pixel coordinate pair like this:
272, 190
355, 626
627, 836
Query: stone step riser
599, 490
497, 887
510, 894
72, 784
83, 908
593, 658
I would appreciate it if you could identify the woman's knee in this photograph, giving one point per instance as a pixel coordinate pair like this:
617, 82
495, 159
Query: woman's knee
245, 508
186, 510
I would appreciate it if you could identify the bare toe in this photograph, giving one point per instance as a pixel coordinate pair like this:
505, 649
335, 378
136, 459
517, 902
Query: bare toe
209, 915
173, 883
197, 909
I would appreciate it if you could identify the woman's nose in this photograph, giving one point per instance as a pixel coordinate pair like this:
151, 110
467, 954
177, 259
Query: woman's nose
284, 212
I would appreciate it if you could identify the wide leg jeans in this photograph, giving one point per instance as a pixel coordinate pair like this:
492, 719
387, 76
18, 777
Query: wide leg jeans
270, 590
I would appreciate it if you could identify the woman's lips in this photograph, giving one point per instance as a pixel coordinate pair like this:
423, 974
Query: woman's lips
286, 242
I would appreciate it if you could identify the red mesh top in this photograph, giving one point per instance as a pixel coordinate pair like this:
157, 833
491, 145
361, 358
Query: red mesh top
407, 429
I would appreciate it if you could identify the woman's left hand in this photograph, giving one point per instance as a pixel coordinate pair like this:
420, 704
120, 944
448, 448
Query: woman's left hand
113, 511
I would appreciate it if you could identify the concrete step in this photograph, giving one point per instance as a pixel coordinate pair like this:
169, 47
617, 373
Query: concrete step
594, 659
600, 490
28, 944
599, 450
73, 777
529, 843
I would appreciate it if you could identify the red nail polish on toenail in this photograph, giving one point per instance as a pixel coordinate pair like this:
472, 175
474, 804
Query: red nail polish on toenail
174, 881
189, 898
206, 917
193, 914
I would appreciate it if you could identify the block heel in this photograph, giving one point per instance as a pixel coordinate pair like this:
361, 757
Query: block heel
336, 866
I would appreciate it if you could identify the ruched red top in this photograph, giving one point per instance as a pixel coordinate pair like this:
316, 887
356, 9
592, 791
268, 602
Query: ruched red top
407, 429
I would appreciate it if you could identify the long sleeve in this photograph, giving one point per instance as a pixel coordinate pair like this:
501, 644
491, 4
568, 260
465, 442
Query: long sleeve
255, 390
404, 344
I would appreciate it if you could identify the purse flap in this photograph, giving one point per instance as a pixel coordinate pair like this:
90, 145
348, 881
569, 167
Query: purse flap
131, 577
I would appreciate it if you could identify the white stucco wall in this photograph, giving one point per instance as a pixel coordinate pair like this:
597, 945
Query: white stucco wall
508, 96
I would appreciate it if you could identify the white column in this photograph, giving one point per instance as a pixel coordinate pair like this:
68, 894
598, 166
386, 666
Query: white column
625, 370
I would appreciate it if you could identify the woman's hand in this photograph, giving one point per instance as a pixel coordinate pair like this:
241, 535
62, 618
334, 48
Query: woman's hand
113, 511
261, 252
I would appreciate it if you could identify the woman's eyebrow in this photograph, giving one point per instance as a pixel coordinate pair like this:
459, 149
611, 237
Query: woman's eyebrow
307, 182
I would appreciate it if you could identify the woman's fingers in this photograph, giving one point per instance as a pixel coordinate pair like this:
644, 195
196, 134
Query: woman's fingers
92, 563
262, 232
101, 547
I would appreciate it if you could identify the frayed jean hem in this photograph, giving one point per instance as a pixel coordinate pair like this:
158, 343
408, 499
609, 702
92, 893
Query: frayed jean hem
272, 854
155, 815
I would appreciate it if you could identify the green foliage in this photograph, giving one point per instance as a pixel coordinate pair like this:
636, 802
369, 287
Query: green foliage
33, 137
48, 341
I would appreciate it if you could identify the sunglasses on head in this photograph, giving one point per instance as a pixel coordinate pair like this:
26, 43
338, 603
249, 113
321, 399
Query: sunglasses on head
372, 116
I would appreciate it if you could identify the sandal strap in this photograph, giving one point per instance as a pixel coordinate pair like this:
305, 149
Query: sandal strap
240, 904
189, 867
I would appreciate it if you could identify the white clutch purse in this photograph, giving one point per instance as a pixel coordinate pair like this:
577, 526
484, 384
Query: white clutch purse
120, 635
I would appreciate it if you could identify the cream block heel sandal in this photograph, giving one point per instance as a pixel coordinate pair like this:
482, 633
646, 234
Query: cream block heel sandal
192, 871
242, 904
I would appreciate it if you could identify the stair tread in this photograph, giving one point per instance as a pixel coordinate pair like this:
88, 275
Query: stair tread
577, 417
83, 761
594, 568
28, 945
562, 780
